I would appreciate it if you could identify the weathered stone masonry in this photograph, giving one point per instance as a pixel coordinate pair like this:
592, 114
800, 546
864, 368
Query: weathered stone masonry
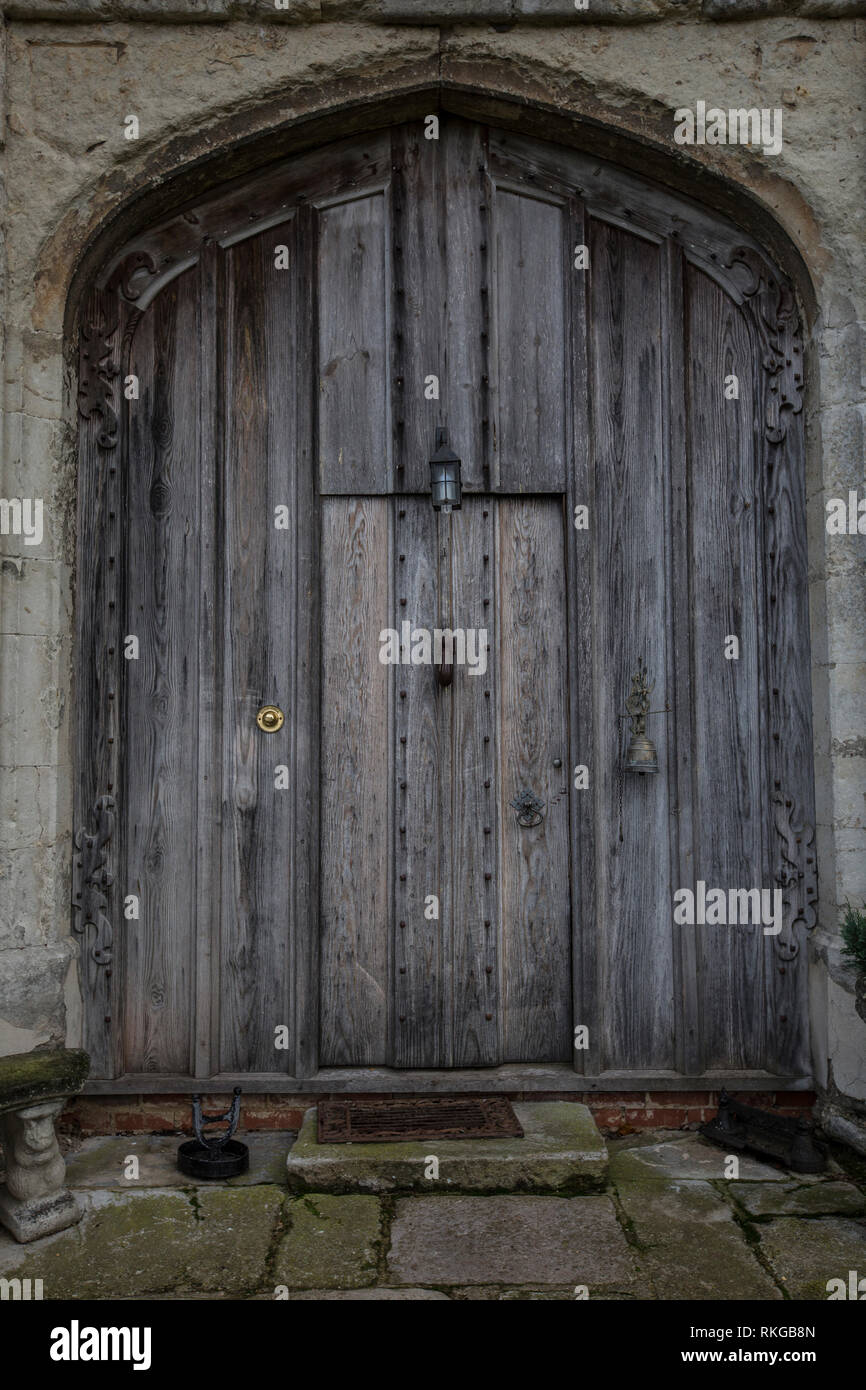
236, 82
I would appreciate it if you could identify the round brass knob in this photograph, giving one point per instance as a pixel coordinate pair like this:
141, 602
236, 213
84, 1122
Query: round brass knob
270, 719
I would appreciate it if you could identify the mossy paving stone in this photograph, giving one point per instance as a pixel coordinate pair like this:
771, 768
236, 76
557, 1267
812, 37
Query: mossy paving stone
691, 1158
333, 1243
806, 1254
371, 1295
132, 1244
692, 1246
798, 1199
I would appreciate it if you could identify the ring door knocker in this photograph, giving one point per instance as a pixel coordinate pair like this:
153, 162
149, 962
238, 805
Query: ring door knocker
529, 808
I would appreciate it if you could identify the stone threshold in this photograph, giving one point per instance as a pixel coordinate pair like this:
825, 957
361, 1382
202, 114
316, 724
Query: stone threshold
561, 1152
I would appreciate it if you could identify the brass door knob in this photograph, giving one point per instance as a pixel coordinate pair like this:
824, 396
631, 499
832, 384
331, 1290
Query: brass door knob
270, 719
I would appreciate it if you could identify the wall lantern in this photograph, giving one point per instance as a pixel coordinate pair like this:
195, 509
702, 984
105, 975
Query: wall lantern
444, 476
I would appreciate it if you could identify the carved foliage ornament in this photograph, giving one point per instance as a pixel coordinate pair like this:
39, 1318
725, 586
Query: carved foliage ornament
91, 880
797, 874
775, 316
100, 355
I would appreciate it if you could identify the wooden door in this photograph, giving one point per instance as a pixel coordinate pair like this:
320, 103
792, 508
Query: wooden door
445, 925
261, 379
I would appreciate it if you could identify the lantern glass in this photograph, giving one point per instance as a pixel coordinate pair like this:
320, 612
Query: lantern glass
445, 486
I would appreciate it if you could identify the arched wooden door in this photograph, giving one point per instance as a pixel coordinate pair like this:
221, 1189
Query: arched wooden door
360, 897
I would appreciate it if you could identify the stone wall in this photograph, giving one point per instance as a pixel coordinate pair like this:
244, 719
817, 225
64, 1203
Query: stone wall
205, 77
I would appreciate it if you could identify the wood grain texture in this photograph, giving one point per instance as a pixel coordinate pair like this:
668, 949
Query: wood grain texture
259, 638
354, 438
531, 308
729, 783
535, 966
633, 885
357, 783
469, 828
162, 686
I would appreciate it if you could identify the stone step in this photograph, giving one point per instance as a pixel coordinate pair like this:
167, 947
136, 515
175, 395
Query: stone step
561, 1152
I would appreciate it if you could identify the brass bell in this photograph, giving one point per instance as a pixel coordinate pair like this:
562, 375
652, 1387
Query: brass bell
641, 755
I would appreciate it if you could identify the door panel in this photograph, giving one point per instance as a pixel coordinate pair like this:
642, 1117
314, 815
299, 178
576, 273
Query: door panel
259, 639
633, 813
356, 795
535, 966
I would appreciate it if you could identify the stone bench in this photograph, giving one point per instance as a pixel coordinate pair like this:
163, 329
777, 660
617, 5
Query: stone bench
33, 1088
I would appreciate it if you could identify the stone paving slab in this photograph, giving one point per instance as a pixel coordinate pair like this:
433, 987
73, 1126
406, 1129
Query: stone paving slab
509, 1240
101, 1162
799, 1199
692, 1246
333, 1243
403, 1295
561, 1151
806, 1254
136, 1243
691, 1157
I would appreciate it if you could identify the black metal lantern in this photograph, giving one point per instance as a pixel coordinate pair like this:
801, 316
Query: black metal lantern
444, 476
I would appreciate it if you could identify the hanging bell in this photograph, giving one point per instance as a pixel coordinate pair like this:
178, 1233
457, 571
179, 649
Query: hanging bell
641, 755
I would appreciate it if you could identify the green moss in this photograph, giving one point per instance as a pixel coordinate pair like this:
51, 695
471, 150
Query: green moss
30, 1077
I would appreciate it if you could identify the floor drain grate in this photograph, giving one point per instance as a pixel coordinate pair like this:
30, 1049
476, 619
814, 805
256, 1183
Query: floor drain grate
384, 1121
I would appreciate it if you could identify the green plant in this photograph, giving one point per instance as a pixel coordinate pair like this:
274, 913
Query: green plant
854, 937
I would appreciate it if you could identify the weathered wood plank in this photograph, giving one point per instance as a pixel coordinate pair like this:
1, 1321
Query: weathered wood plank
634, 899
422, 960
209, 629
418, 338
464, 200
259, 636
162, 685
729, 806
531, 306
469, 826
354, 434
680, 768
357, 783
98, 691
533, 699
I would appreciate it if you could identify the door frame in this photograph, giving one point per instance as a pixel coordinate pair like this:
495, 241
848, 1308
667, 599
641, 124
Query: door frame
126, 283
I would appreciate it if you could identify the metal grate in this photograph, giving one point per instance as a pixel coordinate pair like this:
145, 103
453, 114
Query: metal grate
383, 1121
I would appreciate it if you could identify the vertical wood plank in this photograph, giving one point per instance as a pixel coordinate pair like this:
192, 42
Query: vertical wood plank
162, 686
422, 960
353, 266
98, 688
209, 635
306, 676
581, 591
469, 826
418, 338
259, 641
356, 784
729, 808
680, 770
465, 204
634, 899
533, 695
531, 304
